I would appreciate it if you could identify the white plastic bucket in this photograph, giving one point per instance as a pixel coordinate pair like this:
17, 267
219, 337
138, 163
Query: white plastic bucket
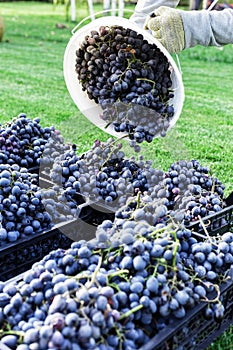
88, 107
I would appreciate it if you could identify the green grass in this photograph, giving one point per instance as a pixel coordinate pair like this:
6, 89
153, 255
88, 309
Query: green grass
31, 81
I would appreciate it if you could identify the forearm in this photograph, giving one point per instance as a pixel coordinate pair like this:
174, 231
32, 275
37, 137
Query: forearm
208, 28
144, 7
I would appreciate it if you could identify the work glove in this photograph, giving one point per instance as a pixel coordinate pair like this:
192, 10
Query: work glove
144, 7
166, 25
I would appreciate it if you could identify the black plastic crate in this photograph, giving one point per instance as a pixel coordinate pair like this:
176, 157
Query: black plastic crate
229, 199
98, 214
40, 172
103, 207
20, 255
217, 223
34, 169
89, 218
45, 183
195, 332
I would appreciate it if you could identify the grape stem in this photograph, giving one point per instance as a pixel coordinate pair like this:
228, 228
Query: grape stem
217, 289
20, 334
130, 312
117, 273
213, 186
175, 250
138, 200
95, 273
149, 80
210, 239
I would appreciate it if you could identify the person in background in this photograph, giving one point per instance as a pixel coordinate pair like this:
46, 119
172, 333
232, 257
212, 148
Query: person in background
194, 4
181, 29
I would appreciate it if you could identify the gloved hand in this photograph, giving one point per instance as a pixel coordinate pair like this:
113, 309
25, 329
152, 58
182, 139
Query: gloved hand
167, 26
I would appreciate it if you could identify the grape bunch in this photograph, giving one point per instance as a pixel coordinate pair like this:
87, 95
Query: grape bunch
199, 194
22, 210
23, 141
189, 191
185, 176
26, 209
197, 175
130, 79
198, 203
142, 208
104, 173
114, 292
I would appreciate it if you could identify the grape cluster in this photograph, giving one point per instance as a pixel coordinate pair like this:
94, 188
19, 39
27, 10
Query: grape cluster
23, 141
116, 291
193, 172
142, 208
198, 203
130, 79
183, 176
22, 210
189, 191
104, 173
26, 209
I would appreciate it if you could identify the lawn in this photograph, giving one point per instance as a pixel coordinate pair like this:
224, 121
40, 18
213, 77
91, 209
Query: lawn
32, 81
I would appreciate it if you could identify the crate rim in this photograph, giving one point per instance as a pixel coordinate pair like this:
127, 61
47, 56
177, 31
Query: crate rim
211, 216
